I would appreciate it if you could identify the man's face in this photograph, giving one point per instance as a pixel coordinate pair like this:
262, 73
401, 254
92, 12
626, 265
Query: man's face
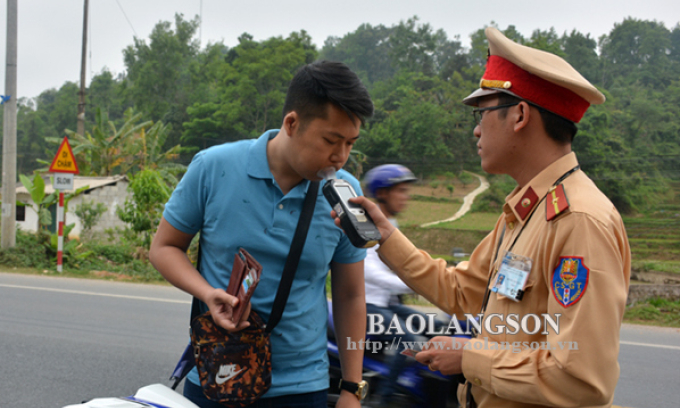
495, 145
322, 143
395, 199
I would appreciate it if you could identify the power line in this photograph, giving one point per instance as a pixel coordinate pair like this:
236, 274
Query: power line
126, 17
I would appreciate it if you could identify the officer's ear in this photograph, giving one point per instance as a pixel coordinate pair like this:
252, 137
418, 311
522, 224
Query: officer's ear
521, 116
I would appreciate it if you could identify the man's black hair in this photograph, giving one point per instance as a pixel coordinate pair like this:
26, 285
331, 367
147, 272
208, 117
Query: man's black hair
316, 85
559, 129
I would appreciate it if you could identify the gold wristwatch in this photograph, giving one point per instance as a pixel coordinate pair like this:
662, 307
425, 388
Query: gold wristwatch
359, 389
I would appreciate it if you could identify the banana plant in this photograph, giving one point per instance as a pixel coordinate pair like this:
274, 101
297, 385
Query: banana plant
41, 201
41, 205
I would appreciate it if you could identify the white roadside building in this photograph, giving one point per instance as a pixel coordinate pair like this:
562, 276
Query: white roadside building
110, 191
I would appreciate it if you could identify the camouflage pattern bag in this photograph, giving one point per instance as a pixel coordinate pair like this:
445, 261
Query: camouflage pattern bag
235, 369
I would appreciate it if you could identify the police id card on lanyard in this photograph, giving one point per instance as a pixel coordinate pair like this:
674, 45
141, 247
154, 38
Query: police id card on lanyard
512, 276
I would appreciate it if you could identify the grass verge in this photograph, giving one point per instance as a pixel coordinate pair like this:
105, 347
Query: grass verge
654, 312
120, 261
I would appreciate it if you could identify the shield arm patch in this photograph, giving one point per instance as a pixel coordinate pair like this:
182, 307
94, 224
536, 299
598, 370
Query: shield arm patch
570, 280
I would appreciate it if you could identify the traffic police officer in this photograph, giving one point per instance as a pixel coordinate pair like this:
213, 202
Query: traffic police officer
558, 249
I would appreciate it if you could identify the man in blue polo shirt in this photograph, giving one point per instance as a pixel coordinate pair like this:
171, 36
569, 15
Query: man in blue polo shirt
249, 194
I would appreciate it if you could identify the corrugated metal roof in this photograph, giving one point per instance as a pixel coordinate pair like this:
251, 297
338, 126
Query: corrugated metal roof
78, 182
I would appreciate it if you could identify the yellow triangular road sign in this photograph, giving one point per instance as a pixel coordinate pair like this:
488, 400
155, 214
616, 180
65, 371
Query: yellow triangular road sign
64, 161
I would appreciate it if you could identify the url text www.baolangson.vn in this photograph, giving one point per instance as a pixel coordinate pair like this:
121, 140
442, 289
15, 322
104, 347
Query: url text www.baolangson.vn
376, 346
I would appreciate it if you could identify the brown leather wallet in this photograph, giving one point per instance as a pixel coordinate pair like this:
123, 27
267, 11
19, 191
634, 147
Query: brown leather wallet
245, 275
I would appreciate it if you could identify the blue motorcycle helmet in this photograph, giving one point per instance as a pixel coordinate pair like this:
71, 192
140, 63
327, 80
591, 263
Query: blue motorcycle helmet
386, 176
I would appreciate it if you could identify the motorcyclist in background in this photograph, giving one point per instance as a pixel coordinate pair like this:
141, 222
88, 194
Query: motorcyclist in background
389, 185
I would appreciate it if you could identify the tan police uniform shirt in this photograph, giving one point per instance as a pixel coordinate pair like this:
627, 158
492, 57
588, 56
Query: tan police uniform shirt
586, 243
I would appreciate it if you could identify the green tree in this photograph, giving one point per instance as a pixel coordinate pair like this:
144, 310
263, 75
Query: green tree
581, 52
149, 152
160, 72
59, 107
88, 213
419, 120
377, 53
143, 210
547, 41
413, 46
617, 169
103, 152
675, 44
107, 94
638, 50
479, 47
31, 132
252, 90
466, 178
366, 51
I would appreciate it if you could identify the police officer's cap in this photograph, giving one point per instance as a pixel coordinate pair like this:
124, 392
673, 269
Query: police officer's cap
539, 77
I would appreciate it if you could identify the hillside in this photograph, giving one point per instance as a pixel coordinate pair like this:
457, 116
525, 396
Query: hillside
654, 236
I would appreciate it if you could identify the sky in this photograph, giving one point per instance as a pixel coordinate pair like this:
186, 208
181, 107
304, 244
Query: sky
50, 31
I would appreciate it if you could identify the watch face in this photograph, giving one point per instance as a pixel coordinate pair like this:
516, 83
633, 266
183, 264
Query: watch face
363, 389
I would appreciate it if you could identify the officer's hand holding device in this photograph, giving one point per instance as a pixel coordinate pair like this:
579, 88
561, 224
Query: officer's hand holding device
354, 219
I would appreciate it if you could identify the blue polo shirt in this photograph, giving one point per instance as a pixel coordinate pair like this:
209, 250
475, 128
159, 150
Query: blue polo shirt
229, 194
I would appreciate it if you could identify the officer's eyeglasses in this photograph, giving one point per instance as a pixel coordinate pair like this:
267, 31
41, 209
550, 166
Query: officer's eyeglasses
477, 112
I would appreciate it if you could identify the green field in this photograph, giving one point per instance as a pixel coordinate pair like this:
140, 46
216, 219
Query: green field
654, 236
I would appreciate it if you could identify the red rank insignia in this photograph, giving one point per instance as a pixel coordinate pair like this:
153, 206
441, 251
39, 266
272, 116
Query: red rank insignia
556, 202
526, 203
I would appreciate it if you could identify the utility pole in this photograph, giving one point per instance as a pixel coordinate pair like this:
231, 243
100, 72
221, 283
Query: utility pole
81, 94
9, 133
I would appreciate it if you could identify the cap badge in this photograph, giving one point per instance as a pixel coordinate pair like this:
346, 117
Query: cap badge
489, 83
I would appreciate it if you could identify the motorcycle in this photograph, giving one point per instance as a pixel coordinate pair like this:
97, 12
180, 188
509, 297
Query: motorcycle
418, 386
151, 396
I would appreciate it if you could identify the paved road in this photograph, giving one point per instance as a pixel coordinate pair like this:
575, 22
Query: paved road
650, 367
65, 340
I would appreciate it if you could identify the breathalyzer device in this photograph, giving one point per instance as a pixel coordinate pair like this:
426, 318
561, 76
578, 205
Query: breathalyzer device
354, 219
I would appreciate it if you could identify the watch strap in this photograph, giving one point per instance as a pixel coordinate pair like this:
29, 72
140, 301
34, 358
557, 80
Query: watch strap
358, 389
349, 386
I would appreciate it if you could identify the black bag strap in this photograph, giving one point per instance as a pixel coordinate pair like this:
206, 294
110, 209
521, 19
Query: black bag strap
291, 262
293, 256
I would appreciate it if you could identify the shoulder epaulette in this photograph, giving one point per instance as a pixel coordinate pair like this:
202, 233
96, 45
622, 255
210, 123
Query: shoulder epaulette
556, 202
526, 203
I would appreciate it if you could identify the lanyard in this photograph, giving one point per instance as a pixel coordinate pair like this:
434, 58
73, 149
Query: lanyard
487, 294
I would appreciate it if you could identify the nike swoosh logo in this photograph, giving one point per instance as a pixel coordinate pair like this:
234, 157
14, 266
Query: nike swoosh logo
220, 379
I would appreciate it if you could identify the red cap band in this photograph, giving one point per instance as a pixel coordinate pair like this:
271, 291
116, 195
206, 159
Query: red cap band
545, 94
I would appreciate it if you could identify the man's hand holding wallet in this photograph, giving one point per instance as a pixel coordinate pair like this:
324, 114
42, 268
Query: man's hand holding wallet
231, 309
245, 275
